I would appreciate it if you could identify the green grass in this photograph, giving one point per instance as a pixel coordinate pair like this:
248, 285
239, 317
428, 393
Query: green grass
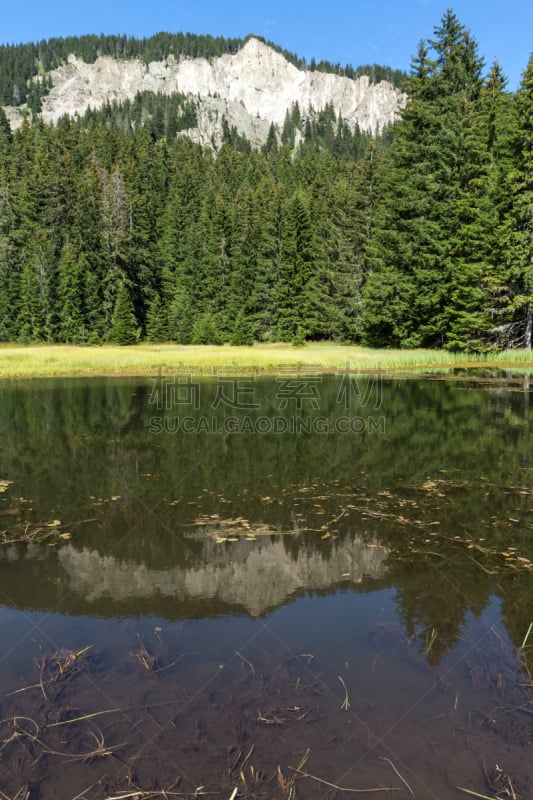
44, 360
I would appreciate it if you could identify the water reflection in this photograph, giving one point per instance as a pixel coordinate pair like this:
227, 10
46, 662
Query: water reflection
427, 504
225, 581
241, 577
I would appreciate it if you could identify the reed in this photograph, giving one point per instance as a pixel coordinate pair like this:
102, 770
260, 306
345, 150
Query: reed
50, 360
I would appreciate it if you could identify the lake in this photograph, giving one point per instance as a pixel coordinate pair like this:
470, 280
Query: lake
265, 587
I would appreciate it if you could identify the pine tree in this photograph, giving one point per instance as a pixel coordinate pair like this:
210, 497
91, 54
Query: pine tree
478, 278
298, 269
242, 331
271, 144
88, 234
116, 230
419, 252
6, 137
347, 229
70, 296
156, 322
9, 268
520, 220
181, 316
422, 237
38, 314
123, 324
205, 330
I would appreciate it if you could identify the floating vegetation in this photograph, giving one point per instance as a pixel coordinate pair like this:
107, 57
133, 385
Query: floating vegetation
56, 667
380, 789
233, 529
525, 651
102, 501
500, 783
22, 794
101, 750
431, 637
419, 509
383, 758
150, 662
42, 532
346, 702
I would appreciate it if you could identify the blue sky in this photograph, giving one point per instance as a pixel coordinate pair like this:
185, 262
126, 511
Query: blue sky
349, 31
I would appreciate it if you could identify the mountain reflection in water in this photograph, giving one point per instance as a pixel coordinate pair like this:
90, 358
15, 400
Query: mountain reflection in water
202, 594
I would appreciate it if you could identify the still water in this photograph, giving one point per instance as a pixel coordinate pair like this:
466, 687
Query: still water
266, 588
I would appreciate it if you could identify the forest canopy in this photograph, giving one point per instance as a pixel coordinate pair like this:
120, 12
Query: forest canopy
114, 226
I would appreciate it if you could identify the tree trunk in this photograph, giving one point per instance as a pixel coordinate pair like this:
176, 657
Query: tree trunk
528, 336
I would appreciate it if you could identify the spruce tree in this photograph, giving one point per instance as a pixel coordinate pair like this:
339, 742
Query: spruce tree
123, 323
72, 270
205, 330
520, 221
478, 280
242, 331
156, 321
418, 250
9, 268
181, 316
6, 137
296, 306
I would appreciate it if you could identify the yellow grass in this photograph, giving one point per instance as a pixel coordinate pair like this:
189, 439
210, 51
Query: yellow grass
145, 359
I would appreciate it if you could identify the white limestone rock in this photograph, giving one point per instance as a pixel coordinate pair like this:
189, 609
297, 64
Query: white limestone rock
252, 89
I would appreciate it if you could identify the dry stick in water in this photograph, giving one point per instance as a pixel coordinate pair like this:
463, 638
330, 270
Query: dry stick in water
474, 794
398, 774
343, 789
246, 661
112, 711
346, 704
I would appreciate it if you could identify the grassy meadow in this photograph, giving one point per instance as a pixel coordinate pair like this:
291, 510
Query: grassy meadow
25, 361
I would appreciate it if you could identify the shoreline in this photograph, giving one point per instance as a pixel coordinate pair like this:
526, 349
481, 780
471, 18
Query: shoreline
147, 359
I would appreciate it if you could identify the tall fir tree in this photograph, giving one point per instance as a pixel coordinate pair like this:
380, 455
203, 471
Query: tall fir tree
124, 327
410, 298
520, 221
72, 270
296, 301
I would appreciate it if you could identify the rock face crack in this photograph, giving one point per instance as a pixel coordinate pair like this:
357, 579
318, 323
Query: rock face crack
252, 89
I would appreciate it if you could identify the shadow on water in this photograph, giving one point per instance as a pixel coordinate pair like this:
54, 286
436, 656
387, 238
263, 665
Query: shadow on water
311, 585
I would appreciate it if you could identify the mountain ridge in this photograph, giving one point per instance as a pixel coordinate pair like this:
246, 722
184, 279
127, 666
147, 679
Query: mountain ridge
251, 90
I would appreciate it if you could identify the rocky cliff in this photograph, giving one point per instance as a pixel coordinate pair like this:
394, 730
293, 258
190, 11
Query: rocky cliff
250, 90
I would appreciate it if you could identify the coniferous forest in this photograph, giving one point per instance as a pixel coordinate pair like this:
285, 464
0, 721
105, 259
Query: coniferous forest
115, 228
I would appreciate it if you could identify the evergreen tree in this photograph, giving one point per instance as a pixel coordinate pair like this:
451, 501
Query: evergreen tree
123, 324
242, 332
88, 233
116, 229
423, 219
181, 317
520, 220
38, 314
205, 330
352, 201
478, 277
9, 272
271, 144
70, 296
297, 278
156, 322
6, 137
